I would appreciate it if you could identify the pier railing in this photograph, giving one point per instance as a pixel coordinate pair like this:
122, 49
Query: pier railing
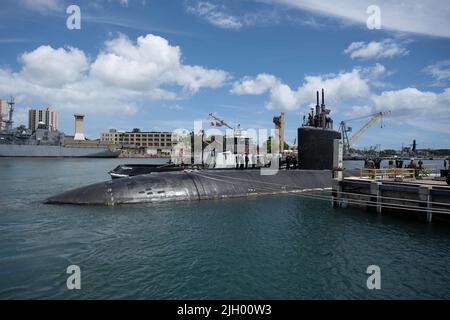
388, 173
429, 170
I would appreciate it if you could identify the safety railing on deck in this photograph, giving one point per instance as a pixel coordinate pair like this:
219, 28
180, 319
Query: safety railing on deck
388, 173
429, 170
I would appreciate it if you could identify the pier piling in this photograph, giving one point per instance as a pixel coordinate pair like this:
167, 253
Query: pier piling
336, 193
376, 195
425, 197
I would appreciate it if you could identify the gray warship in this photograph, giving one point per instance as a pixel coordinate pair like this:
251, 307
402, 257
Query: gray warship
48, 143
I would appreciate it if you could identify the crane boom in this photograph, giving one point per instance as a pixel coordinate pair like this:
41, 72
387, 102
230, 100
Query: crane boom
348, 142
364, 128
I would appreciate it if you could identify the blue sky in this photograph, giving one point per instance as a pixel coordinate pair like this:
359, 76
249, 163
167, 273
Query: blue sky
160, 65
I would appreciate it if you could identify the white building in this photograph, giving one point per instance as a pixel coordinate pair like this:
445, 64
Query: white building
36, 117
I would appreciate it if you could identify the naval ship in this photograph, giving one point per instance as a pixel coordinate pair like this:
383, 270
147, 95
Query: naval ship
50, 143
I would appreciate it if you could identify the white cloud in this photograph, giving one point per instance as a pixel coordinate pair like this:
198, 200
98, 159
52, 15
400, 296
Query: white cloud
387, 48
43, 6
281, 96
440, 71
359, 111
422, 109
377, 70
123, 71
430, 18
53, 67
174, 107
124, 3
223, 15
215, 14
259, 85
345, 85
376, 75
149, 64
411, 101
58, 5
425, 110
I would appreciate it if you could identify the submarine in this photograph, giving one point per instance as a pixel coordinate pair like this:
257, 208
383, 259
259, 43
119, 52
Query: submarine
192, 185
316, 156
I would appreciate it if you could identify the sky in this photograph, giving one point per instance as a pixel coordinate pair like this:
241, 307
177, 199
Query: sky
161, 65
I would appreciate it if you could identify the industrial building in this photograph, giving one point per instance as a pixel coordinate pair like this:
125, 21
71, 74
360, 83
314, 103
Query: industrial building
36, 117
152, 143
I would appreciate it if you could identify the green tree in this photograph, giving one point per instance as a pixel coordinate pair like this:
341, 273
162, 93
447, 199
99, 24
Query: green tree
20, 129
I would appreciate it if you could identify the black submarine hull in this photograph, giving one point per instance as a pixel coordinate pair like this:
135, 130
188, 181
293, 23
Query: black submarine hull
194, 185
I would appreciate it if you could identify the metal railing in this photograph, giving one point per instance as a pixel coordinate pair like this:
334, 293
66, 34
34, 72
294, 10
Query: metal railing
388, 173
429, 170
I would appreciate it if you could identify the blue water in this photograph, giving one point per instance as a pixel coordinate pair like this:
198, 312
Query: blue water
279, 247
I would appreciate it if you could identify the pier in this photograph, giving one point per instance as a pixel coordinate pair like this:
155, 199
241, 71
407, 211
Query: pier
395, 190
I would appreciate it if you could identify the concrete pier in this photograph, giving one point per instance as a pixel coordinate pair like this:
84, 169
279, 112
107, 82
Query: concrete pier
428, 198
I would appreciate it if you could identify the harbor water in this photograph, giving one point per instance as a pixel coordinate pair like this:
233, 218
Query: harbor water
277, 247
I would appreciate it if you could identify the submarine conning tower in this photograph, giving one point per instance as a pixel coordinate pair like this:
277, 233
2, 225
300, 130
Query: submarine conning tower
316, 138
